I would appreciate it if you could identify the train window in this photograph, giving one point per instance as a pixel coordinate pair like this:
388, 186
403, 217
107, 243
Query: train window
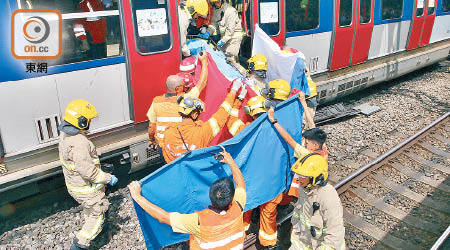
269, 18
302, 15
391, 9
345, 12
86, 35
445, 5
431, 7
419, 9
152, 27
365, 11
69, 6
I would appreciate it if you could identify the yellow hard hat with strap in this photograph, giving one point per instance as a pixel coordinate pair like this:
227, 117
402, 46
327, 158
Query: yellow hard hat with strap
187, 105
278, 89
257, 105
312, 165
197, 6
79, 113
257, 62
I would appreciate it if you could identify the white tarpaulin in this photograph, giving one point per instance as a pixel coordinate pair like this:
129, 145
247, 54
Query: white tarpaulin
280, 64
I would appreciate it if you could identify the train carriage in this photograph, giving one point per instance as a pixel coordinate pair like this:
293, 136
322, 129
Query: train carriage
348, 44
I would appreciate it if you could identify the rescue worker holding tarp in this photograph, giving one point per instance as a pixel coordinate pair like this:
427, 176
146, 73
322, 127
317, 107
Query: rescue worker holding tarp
256, 106
164, 109
84, 178
228, 24
217, 227
318, 218
189, 11
192, 134
276, 91
257, 69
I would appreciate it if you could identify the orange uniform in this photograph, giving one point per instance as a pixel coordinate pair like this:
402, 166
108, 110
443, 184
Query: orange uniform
293, 190
196, 134
214, 235
268, 211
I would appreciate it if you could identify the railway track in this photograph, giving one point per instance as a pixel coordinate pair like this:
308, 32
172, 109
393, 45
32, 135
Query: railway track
401, 199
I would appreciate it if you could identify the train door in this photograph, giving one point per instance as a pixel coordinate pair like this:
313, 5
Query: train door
417, 24
152, 39
363, 33
429, 22
269, 14
344, 29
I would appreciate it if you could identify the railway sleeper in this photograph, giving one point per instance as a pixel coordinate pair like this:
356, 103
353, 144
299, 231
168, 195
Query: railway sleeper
395, 212
419, 198
433, 149
419, 177
429, 163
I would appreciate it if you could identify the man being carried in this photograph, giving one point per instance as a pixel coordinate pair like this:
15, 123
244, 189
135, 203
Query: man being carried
217, 227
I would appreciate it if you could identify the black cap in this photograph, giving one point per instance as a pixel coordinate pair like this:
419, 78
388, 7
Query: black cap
315, 134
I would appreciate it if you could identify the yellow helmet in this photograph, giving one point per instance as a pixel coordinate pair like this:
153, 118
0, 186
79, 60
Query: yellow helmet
278, 89
257, 105
187, 105
257, 62
79, 113
312, 87
197, 6
312, 165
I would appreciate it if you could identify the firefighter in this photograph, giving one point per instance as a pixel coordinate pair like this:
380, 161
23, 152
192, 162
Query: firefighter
257, 69
317, 221
188, 12
277, 91
164, 109
84, 178
91, 31
228, 24
207, 228
314, 140
192, 134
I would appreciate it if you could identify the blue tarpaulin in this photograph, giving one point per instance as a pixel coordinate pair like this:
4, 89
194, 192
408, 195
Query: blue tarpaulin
183, 185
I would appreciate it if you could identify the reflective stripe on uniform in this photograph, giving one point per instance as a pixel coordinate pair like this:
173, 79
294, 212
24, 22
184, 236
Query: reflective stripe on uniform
99, 176
223, 242
214, 126
160, 135
247, 227
95, 231
324, 246
297, 244
84, 189
268, 236
169, 119
238, 247
68, 166
307, 223
234, 112
295, 185
234, 128
226, 106
161, 128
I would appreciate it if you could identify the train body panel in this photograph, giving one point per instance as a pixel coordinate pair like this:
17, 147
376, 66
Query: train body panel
349, 45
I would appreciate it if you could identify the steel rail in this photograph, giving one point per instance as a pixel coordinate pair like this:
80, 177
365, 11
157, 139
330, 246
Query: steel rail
342, 185
441, 239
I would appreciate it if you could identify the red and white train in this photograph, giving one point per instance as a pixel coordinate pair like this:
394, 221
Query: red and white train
349, 45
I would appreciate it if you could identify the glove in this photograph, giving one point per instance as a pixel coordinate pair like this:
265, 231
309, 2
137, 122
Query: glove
242, 94
113, 180
237, 84
204, 35
220, 43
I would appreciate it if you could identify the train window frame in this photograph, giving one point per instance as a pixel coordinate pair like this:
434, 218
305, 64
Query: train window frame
417, 8
136, 35
339, 16
279, 16
302, 30
79, 15
394, 18
442, 7
434, 8
371, 15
